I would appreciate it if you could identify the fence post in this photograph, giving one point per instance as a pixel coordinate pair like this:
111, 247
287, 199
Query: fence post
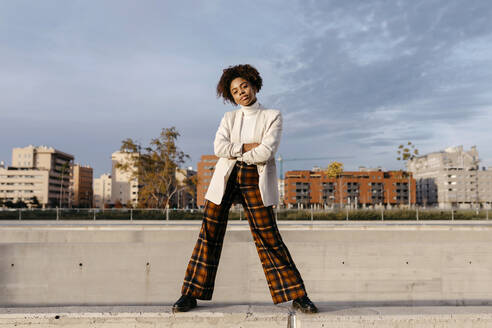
417, 213
20, 214
452, 214
346, 213
382, 213
167, 213
57, 214
131, 214
487, 213
94, 214
311, 212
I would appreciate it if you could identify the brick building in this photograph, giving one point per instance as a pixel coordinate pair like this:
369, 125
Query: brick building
205, 169
358, 188
81, 183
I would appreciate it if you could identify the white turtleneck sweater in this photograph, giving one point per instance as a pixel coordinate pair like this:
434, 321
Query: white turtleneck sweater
247, 128
249, 119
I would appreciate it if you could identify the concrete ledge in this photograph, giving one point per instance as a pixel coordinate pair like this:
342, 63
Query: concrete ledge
357, 264
248, 316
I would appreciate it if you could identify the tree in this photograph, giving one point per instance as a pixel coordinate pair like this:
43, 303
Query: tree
407, 153
9, 204
154, 167
186, 186
334, 170
34, 202
118, 204
20, 204
190, 187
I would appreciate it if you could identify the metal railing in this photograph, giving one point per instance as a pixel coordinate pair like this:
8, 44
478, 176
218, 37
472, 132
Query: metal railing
237, 213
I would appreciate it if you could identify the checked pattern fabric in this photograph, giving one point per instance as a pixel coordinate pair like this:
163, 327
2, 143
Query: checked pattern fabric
284, 281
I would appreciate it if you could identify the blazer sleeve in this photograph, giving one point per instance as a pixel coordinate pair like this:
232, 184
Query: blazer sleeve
269, 144
223, 147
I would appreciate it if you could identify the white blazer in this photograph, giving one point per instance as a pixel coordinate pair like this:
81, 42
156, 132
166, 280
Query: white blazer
227, 147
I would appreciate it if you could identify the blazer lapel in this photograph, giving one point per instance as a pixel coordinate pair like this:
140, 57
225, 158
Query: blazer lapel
259, 129
259, 124
236, 127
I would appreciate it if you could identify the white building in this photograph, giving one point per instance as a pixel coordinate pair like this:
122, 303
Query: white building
452, 178
17, 184
41, 172
124, 189
102, 190
185, 197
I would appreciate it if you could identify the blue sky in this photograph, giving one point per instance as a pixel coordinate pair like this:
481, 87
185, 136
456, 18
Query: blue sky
353, 79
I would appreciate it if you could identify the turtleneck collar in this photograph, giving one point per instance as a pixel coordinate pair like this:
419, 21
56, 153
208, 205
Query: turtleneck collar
251, 109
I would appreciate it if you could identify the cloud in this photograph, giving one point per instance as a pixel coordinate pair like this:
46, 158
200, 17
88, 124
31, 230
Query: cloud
387, 71
353, 78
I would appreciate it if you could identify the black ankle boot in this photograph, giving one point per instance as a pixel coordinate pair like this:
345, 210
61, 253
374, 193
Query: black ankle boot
185, 303
305, 305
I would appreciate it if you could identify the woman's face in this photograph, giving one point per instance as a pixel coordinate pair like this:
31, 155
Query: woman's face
242, 91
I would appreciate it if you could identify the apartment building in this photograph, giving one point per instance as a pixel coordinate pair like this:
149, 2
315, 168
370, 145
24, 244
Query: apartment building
81, 182
102, 190
313, 188
205, 170
452, 178
124, 188
41, 172
26, 185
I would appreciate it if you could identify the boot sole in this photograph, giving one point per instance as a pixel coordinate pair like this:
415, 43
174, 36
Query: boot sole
182, 309
303, 310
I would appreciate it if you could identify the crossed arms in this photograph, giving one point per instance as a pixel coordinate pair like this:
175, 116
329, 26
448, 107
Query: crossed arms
251, 153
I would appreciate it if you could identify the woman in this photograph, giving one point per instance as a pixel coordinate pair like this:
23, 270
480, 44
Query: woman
246, 143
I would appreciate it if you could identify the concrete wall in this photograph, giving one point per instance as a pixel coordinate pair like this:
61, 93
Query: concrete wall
144, 263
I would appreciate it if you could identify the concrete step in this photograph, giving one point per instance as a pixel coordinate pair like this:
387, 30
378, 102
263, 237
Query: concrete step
210, 314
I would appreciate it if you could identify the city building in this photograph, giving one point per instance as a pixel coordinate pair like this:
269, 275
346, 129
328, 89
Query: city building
26, 185
185, 197
452, 178
205, 170
124, 188
82, 193
37, 175
102, 191
305, 188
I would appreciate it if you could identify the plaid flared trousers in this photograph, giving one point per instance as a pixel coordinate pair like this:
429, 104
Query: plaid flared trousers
284, 281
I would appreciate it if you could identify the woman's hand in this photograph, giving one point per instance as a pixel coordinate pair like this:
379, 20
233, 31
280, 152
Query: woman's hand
249, 146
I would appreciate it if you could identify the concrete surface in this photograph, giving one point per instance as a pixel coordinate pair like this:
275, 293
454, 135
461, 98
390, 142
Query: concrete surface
343, 263
248, 316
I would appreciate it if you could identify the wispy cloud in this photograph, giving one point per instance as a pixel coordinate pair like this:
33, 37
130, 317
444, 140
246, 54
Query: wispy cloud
353, 78
389, 72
